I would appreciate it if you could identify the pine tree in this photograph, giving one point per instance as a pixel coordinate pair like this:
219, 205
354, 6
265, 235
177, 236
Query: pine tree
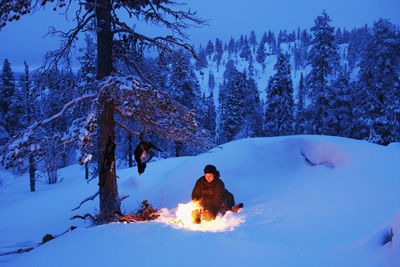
279, 115
218, 51
239, 108
210, 123
245, 53
300, 108
323, 58
261, 54
29, 102
184, 87
7, 91
231, 104
209, 48
253, 40
86, 85
211, 81
202, 63
232, 46
341, 105
378, 95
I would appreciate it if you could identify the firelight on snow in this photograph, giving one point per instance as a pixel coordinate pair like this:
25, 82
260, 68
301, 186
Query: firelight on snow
181, 217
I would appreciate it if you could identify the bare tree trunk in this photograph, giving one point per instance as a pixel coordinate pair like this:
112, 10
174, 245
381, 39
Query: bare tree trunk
178, 148
109, 199
130, 151
86, 171
32, 173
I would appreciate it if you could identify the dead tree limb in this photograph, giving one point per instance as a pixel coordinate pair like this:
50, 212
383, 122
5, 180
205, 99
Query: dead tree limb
87, 199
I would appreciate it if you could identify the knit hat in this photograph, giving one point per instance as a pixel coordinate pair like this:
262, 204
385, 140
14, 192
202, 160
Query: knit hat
211, 169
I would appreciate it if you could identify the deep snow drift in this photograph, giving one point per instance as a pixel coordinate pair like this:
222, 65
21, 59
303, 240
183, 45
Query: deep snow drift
308, 201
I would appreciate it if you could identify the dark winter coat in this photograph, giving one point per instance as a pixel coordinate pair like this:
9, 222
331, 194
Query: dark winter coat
210, 195
143, 146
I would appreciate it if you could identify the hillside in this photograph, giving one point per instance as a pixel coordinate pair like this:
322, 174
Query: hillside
308, 201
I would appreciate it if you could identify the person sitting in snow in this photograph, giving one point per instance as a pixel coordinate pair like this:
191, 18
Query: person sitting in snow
212, 196
143, 154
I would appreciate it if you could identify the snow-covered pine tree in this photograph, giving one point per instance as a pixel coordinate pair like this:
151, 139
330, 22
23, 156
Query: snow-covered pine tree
245, 52
209, 49
357, 43
7, 91
230, 106
184, 87
273, 48
239, 107
341, 105
253, 41
232, 46
202, 62
218, 52
127, 96
261, 54
30, 114
279, 113
300, 108
253, 110
210, 116
86, 85
377, 110
211, 81
323, 57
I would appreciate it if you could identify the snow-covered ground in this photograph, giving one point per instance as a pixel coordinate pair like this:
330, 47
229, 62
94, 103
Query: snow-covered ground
308, 201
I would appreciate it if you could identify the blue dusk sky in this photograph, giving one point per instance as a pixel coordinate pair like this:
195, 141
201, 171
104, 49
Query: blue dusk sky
25, 39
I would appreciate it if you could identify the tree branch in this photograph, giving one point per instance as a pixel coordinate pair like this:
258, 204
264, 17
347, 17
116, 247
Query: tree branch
126, 128
65, 108
87, 199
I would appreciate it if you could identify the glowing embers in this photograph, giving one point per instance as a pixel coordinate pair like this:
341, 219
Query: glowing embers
181, 217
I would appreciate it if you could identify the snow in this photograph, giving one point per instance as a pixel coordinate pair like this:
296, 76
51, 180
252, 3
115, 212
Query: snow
335, 212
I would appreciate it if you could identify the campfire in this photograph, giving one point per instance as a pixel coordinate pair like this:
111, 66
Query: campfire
181, 217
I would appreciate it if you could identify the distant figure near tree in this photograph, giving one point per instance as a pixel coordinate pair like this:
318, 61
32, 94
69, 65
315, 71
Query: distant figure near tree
213, 197
143, 154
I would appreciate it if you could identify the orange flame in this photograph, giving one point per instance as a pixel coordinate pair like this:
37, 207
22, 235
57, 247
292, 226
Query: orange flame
183, 219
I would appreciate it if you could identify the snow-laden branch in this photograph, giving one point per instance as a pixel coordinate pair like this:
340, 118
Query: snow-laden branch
66, 107
127, 129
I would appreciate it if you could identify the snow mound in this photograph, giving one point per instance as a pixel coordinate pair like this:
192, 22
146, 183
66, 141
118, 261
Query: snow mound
322, 153
392, 246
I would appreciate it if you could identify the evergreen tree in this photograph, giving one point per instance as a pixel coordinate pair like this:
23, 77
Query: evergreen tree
340, 107
323, 57
279, 115
232, 46
87, 72
378, 95
209, 48
253, 110
184, 87
245, 53
253, 40
211, 81
210, 116
264, 38
300, 108
30, 115
7, 91
218, 51
261, 54
86, 85
203, 59
239, 108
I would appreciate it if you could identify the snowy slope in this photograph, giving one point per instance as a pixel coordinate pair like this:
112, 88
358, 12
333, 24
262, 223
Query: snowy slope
309, 201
